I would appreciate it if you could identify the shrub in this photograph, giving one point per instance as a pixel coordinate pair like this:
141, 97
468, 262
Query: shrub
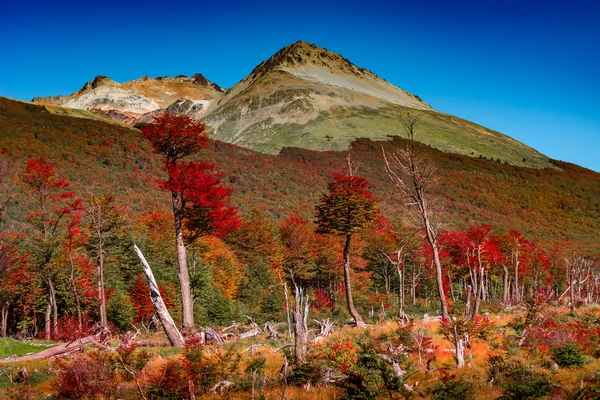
517, 380
568, 355
171, 383
206, 371
371, 376
310, 372
452, 388
85, 375
68, 328
121, 312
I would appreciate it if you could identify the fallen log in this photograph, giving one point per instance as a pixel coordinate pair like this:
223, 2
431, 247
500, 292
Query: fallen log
151, 343
394, 364
214, 336
60, 350
220, 387
270, 328
252, 348
250, 333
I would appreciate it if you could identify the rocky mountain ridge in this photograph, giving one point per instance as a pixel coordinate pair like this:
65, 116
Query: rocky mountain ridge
138, 100
302, 96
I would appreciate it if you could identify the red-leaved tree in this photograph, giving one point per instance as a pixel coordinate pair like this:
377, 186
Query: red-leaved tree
200, 203
347, 209
51, 202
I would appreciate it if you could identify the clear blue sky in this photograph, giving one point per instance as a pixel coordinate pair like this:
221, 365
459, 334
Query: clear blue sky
530, 69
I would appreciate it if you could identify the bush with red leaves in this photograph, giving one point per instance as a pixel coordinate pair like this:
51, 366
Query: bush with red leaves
86, 375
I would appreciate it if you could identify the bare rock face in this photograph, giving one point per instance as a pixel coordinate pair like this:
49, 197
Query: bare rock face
51, 100
140, 99
191, 108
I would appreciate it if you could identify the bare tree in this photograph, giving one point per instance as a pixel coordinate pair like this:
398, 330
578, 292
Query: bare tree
300, 317
579, 271
414, 176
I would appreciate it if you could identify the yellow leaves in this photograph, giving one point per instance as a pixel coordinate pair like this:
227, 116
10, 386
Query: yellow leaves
226, 269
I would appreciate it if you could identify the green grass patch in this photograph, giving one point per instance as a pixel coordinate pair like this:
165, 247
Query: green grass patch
10, 347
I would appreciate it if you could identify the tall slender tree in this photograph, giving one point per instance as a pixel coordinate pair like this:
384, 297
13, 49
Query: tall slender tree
346, 209
51, 202
103, 217
414, 176
199, 201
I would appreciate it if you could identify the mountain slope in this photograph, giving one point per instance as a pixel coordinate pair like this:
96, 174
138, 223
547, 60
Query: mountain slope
547, 204
303, 96
306, 96
137, 100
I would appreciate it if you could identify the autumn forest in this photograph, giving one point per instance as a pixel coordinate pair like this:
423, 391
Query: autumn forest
157, 263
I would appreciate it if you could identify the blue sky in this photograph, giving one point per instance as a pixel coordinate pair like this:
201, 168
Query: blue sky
528, 69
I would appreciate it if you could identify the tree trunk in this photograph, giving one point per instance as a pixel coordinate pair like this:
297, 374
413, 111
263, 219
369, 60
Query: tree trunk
459, 343
572, 291
468, 304
401, 291
75, 293
479, 294
413, 287
439, 278
300, 325
47, 320
348, 286
173, 334
54, 307
4, 321
187, 303
517, 294
101, 291
287, 306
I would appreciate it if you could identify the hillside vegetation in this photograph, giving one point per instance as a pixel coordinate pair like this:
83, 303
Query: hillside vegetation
260, 304
551, 204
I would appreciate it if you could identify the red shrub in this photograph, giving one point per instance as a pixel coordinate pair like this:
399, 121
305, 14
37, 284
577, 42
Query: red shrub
321, 300
85, 376
68, 328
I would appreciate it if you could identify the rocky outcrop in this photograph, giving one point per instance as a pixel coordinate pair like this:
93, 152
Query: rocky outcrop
192, 108
51, 100
138, 100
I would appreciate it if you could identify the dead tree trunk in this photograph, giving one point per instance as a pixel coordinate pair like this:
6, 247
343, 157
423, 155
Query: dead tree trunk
468, 304
54, 351
300, 326
173, 334
414, 175
287, 305
459, 343
272, 330
101, 291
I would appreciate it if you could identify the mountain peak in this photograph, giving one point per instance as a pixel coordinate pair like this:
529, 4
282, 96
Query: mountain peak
99, 80
301, 54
